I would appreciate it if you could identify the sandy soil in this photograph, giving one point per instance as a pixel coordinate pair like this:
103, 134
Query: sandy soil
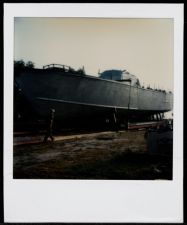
109, 155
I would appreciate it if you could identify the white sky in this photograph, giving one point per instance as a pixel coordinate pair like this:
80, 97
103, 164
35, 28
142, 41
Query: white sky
142, 46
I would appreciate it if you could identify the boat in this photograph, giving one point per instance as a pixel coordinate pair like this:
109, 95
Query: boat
81, 98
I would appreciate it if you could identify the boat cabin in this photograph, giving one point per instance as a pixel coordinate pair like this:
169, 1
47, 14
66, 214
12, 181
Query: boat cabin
122, 76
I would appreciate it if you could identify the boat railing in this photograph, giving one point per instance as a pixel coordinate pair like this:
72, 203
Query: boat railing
57, 66
64, 68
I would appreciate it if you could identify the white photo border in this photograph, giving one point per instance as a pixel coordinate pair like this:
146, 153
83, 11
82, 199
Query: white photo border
93, 200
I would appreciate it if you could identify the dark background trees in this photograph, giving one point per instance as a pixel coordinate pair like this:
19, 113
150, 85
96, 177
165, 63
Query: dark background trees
20, 64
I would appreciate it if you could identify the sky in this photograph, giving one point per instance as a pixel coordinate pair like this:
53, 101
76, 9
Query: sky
144, 47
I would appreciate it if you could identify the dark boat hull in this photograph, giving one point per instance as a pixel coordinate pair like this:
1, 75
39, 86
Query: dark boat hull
79, 97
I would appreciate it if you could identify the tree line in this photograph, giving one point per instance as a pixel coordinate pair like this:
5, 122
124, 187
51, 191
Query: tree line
20, 64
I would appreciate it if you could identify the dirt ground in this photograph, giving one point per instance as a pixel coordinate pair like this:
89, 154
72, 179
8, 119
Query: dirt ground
113, 155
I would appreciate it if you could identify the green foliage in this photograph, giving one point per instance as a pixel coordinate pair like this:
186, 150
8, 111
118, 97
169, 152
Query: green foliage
29, 64
20, 64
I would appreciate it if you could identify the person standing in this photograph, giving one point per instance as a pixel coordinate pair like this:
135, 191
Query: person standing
50, 122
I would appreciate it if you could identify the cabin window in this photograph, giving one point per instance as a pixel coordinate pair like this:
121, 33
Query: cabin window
111, 75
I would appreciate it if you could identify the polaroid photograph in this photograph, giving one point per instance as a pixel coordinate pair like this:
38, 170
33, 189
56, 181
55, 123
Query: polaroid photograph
93, 112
